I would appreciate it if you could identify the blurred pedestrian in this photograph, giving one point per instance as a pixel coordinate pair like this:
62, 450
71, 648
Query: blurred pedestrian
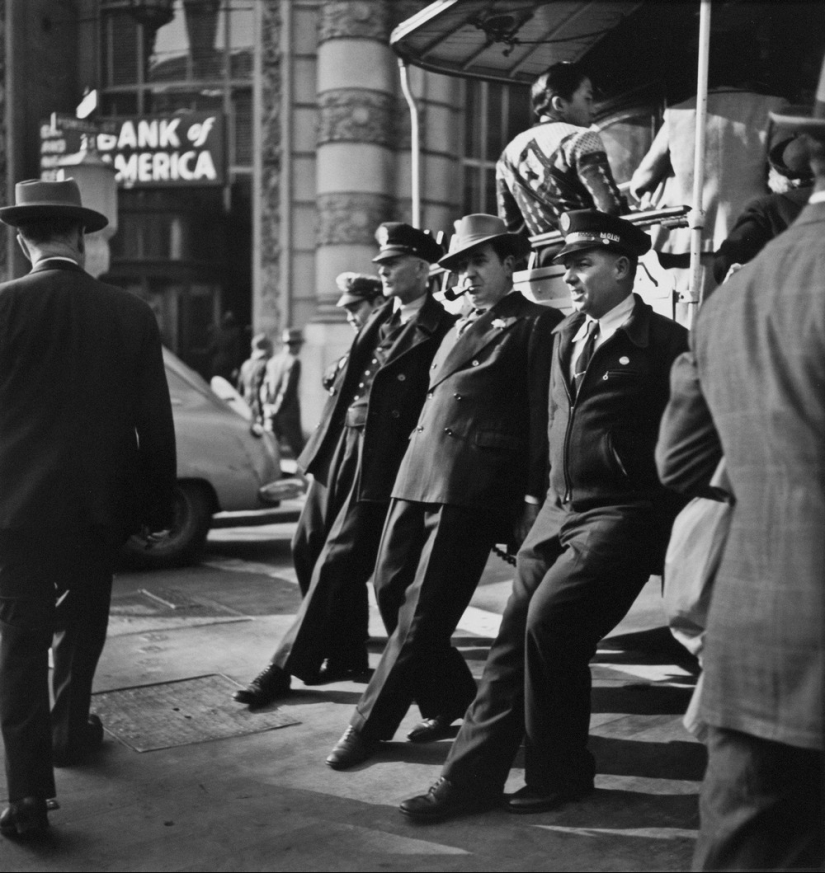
353, 457
754, 386
281, 400
225, 348
87, 456
251, 376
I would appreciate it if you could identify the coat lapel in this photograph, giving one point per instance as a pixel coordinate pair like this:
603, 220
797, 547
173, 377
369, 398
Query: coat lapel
566, 331
417, 330
485, 330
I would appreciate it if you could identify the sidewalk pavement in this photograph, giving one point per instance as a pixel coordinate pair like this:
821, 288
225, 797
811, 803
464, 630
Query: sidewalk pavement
266, 801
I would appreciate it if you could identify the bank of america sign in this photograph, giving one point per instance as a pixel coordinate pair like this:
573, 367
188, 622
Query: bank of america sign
145, 151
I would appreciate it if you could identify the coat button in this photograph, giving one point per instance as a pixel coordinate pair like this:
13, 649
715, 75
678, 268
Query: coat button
433, 366
420, 429
604, 378
448, 431
429, 394
458, 397
475, 363
395, 413
401, 377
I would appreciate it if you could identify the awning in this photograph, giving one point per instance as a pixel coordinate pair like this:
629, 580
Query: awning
505, 40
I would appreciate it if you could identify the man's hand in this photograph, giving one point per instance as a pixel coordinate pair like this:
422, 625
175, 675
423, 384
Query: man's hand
524, 523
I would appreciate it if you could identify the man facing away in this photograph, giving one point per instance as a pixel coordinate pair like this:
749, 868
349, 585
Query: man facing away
87, 456
601, 532
474, 474
353, 457
754, 388
280, 398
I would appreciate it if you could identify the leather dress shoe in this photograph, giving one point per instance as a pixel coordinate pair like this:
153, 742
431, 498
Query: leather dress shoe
266, 687
338, 671
91, 739
445, 800
529, 800
431, 729
25, 819
350, 750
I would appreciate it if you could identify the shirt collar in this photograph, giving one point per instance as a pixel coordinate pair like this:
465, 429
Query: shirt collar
611, 321
817, 197
407, 310
55, 258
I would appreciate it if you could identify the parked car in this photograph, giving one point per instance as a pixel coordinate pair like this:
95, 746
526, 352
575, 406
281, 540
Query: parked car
229, 469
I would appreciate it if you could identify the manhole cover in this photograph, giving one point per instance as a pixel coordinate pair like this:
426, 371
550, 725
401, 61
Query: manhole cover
149, 717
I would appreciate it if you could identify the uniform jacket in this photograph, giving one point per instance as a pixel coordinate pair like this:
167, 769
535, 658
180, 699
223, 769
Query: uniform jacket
86, 431
481, 440
755, 390
602, 447
395, 399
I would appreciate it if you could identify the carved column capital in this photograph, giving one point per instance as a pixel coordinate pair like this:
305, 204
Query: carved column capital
356, 115
354, 19
351, 218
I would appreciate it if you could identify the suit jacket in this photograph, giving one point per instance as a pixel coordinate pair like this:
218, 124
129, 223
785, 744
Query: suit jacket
602, 448
481, 440
755, 390
395, 399
86, 431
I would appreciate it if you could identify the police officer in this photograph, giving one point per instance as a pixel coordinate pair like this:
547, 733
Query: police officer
601, 532
353, 457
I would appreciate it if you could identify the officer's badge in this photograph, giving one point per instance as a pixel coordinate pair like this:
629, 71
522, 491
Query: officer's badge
382, 235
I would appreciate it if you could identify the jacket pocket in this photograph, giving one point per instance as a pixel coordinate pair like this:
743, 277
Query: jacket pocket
616, 457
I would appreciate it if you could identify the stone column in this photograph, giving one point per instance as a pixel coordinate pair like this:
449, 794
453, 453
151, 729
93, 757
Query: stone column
355, 166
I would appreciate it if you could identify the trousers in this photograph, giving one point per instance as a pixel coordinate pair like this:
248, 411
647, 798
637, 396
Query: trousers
334, 550
429, 562
54, 592
761, 805
577, 575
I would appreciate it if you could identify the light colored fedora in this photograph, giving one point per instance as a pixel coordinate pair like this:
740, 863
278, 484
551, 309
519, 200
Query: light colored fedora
36, 199
802, 119
475, 230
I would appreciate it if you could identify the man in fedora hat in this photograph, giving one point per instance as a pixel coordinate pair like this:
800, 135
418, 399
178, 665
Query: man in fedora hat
87, 456
474, 475
753, 384
353, 457
601, 532
281, 401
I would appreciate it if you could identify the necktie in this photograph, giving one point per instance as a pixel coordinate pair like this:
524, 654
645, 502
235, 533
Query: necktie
580, 366
390, 327
463, 323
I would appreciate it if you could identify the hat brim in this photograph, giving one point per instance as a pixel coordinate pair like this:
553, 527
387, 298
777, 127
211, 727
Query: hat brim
91, 220
395, 252
350, 299
519, 245
580, 246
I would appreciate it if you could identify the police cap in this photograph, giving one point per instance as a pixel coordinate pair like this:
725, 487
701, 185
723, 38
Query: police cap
396, 238
590, 229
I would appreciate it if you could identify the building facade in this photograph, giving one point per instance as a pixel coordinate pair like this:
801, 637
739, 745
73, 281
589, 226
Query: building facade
309, 150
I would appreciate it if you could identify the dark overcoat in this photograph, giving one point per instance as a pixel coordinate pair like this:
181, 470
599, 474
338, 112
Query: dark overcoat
481, 440
86, 430
395, 399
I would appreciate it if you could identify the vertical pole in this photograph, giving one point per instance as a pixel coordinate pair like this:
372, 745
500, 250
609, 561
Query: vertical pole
257, 166
415, 143
696, 216
286, 181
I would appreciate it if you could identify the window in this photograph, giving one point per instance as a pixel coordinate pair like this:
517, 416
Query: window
494, 114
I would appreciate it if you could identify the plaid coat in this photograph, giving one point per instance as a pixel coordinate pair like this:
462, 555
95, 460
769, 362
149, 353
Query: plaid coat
755, 389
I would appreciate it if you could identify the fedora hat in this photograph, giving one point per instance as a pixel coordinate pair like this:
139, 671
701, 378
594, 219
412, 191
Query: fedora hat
36, 199
475, 230
802, 119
